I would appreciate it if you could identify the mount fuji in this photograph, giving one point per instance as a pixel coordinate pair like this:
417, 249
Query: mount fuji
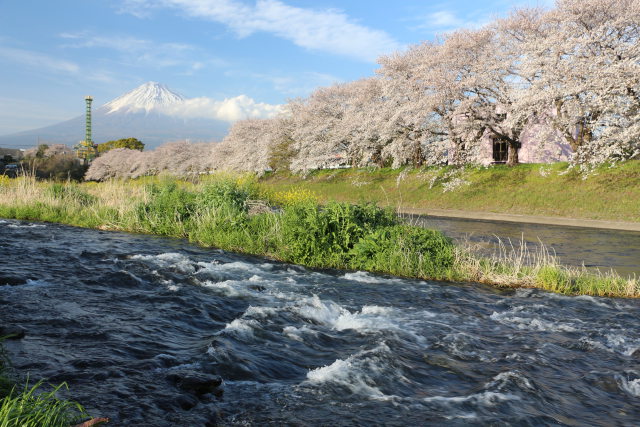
151, 113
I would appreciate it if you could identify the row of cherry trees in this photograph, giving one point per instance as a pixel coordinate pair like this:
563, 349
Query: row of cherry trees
574, 69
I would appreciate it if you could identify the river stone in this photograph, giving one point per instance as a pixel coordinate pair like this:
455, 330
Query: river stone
195, 382
11, 332
186, 401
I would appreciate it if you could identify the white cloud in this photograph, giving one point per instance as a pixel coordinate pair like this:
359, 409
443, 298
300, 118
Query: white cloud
229, 109
37, 60
301, 84
139, 51
443, 21
324, 30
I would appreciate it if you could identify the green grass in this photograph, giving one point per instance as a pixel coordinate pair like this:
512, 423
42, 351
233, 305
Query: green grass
609, 193
33, 406
242, 215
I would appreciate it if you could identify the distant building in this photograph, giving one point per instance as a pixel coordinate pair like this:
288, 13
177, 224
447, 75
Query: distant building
15, 153
539, 143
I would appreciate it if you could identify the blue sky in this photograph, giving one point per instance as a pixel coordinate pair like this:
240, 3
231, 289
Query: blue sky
53, 53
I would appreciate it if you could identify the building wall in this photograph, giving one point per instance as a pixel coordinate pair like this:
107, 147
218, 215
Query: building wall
539, 144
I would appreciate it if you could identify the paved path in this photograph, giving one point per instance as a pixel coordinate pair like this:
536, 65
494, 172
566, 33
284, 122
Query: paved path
571, 222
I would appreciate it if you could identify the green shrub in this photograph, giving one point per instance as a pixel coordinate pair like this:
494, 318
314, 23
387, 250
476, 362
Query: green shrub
71, 193
167, 211
315, 235
404, 250
223, 193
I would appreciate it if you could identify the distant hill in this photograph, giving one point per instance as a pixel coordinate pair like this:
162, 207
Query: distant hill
141, 113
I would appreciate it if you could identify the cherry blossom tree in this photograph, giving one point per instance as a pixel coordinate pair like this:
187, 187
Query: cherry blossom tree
582, 62
315, 123
180, 158
254, 145
419, 103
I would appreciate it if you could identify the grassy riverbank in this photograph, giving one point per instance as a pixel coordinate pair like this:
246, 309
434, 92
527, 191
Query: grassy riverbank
545, 190
240, 215
32, 405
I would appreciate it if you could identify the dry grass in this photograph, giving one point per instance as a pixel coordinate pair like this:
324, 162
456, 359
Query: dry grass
519, 266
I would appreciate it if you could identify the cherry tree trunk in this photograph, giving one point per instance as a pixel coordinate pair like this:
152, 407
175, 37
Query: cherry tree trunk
512, 154
417, 155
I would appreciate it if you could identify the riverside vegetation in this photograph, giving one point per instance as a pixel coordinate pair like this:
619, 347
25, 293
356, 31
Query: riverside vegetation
240, 214
32, 406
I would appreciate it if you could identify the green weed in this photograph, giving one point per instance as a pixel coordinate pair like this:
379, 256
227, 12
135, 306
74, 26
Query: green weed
33, 407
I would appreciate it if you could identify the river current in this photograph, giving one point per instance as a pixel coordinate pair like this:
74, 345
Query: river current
115, 315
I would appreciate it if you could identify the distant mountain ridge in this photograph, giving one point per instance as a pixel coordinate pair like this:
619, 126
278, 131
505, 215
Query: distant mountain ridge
143, 113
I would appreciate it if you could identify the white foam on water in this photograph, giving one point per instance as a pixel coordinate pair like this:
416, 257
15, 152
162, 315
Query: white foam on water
261, 312
630, 386
376, 309
356, 373
622, 344
532, 324
370, 319
614, 343
501, 380
298, 334
169, 260
234, 268
364, 277
241, 327
26, 226
231, 288
170, 284
313, 308
463, 415
490, 397
486, 398
597, 301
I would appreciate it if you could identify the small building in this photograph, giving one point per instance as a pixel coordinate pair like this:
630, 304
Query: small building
539, 143
16, 154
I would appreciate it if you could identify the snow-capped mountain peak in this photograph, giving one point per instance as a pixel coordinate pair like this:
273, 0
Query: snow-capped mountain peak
147, 97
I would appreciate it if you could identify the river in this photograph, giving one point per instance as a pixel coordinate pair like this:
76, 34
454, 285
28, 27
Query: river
120, 316
574, 246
